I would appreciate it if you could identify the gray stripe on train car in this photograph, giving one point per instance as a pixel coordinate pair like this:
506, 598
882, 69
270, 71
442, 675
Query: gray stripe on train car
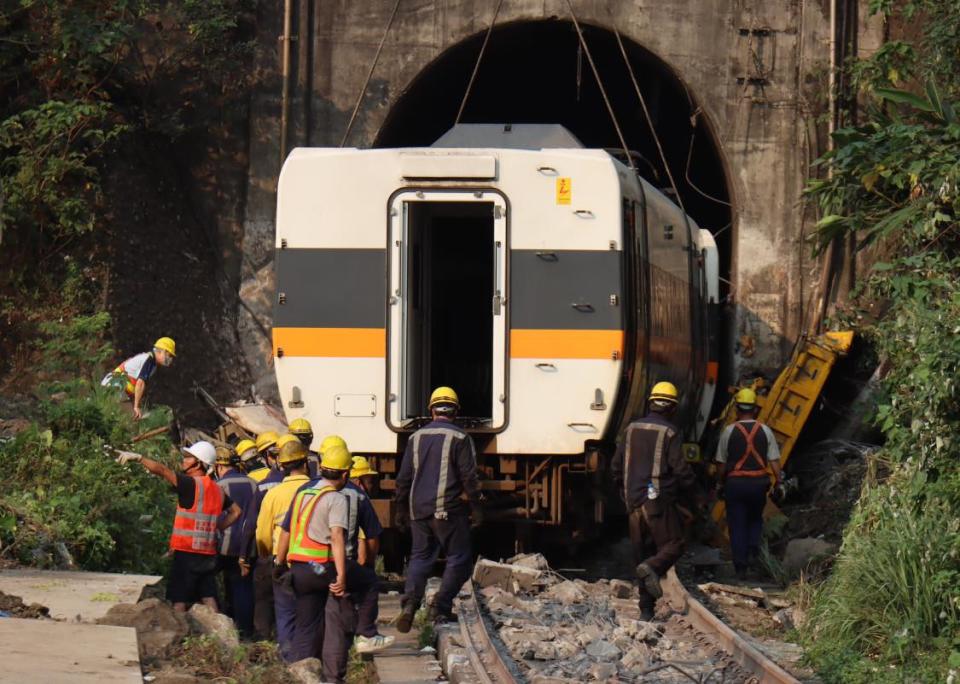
544, 285
331, 288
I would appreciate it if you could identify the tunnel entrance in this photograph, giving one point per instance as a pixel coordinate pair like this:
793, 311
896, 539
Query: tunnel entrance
537, 72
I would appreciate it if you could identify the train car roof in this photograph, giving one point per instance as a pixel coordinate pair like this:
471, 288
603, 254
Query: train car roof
509, 136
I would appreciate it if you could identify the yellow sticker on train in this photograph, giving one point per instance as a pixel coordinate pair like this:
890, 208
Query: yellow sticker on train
564, 190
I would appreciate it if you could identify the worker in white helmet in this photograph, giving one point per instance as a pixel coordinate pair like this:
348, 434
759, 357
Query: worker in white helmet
194, 538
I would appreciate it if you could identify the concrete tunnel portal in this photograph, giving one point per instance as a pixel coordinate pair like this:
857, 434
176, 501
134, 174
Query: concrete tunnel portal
538, 72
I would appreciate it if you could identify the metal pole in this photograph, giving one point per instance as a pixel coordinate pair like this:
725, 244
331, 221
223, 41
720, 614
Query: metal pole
285, 73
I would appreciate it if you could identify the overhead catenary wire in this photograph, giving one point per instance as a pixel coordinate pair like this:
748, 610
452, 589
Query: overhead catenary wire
603, 91
366, 83
646, 114
476, 66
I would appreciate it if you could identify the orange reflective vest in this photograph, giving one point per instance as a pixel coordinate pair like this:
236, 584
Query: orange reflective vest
302, 547
758, 467
195, 528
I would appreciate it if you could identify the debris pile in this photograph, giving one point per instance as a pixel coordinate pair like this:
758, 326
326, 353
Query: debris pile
13, 606
560, 630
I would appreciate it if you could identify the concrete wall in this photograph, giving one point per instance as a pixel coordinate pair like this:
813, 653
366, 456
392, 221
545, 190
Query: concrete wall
758, 71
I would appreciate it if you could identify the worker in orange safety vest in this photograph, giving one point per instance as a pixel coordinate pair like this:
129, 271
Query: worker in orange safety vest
196, 523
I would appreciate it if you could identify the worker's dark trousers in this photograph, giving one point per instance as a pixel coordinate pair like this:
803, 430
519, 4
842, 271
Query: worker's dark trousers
263, 614
656, 532
746, 497
311, 591
368, 609
239, 594
429, 537
285, 608
340, 620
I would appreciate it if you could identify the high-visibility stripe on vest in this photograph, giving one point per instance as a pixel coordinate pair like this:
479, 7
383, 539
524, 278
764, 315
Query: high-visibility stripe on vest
750, 453
302, 547
195, 528
131, 382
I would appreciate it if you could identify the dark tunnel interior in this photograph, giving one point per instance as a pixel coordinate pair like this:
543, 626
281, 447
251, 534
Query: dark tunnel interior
537, 72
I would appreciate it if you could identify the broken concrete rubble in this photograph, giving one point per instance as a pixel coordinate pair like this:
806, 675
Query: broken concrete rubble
205, 620
158, 626
801, 552
512, 578
566, 592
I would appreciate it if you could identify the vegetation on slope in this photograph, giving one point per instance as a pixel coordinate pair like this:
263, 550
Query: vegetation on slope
891, 608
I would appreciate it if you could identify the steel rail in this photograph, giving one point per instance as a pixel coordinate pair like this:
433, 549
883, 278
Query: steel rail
487, 660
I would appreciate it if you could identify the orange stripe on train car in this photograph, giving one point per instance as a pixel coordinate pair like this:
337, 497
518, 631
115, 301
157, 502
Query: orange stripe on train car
331, 342
565, 344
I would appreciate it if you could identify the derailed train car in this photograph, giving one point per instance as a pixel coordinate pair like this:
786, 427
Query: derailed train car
547, 283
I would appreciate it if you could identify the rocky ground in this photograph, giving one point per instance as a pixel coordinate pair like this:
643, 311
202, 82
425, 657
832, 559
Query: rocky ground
13, 606
560, 630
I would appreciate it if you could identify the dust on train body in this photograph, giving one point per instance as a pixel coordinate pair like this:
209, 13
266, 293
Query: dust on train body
548, 284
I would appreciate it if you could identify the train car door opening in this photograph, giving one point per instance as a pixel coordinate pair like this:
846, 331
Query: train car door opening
447, 318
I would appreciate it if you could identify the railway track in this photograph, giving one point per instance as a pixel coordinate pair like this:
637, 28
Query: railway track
714, 653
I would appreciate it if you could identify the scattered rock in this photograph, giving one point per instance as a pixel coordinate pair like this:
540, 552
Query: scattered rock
601, 672
636, 658
801, 552
543, 679
307, 671
158, 626
205, 620
567, 592
15, 607
621, 589
173, 676
534, 561
512, 578
602, 649
784, 618
11, 427
587, 633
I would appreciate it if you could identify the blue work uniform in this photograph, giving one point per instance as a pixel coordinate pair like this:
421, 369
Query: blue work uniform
744, 451
439, 466
239, 589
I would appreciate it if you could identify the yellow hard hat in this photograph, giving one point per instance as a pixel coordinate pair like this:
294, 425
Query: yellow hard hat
360, 467
664, 391
745, 397
265, 440
444, 395
166, 344
291, 450
225, 455
330, 441
300, 426
286, 439
335, 458
245, 445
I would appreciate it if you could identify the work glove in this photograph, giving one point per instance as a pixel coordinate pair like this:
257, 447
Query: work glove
125, 457
401, 518
476, 515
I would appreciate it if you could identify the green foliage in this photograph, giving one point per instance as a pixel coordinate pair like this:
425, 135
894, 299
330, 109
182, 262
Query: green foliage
256, 663
63, 488
64, 497
890, 611
46, 168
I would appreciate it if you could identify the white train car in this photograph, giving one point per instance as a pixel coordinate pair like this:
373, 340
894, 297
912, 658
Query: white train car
547, 283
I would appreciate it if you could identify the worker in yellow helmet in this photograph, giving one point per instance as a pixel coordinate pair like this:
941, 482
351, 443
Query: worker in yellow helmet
314, 543
653, 476
264, 470
267, 476
304, 432
747, 448
439, 467
247, 455
292, 460
131, 376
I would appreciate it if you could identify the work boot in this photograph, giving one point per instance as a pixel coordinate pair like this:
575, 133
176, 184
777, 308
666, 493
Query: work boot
650, 580
440, 617
377, 642
405, 619
646, 614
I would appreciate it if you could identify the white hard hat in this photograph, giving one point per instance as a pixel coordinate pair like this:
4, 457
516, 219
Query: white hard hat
204, 452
